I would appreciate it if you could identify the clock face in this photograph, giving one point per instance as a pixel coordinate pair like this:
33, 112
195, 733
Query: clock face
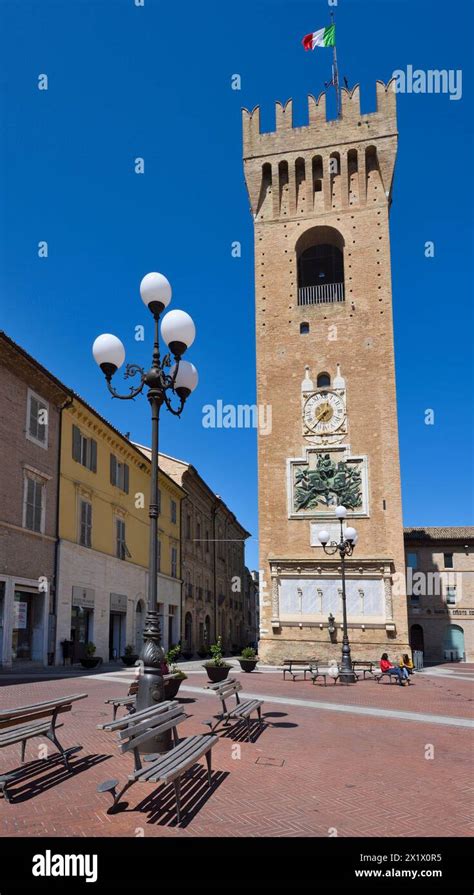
324, 413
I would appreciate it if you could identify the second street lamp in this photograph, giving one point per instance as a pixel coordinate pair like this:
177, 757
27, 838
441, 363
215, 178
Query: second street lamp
163, 382
345, 547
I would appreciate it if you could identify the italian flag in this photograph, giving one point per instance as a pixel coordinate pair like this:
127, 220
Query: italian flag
325, 37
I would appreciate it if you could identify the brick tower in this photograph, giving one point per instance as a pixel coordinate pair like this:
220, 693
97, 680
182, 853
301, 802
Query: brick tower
320, 198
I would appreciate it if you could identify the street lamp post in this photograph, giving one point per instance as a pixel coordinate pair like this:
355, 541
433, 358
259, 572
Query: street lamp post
162, 381
345, 547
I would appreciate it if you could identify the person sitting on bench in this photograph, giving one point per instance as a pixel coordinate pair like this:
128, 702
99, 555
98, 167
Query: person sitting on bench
407, 665
386, 667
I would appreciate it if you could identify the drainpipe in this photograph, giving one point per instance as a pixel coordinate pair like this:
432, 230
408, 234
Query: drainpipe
53, 604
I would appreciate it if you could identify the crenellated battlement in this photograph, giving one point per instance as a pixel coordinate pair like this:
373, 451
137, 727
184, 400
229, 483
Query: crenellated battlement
325, 165
319, 131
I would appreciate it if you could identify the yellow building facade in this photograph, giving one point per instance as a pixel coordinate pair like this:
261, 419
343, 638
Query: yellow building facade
103, 550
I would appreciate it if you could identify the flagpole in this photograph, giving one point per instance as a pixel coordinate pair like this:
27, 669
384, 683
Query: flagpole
336, 74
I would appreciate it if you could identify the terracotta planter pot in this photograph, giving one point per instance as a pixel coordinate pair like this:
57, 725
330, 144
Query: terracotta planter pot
172, 687
248, 664
217, 673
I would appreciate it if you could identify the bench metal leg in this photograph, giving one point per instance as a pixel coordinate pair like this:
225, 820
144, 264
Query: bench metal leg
249, 739
110, 786
208, 761
115, 707
177, 791
52, 736
23, 750
259, 712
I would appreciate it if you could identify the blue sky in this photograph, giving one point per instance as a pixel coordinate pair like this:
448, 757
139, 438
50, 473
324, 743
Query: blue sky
155, 82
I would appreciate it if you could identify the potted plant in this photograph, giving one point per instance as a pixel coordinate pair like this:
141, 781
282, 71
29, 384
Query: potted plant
130, 656
90, 660
217, 669
173, 684
248, 659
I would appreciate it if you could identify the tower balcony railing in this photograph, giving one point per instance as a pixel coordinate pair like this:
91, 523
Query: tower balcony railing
327, 293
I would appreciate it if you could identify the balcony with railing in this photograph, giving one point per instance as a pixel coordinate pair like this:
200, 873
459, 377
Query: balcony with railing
326, 293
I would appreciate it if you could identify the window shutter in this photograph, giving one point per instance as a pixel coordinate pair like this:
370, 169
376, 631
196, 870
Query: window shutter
113, 470
93, 466
125, 478
76, 444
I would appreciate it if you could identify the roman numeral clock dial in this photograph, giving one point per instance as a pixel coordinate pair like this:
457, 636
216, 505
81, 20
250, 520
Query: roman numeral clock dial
324, 413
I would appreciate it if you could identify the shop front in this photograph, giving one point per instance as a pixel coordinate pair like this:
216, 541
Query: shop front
82, 621
117, 626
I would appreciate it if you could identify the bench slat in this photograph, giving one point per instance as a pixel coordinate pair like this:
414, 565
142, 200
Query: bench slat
152, 720
168, 759
7, 713
149, 732
137, 716
25, 732
183, 761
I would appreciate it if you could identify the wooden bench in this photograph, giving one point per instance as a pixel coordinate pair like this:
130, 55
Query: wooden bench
380, 674
129, 701
298, 666
241, 710
30, 721
315, 673
168, 767
366, 667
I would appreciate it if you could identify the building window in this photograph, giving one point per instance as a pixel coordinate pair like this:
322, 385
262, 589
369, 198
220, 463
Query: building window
84, 450
320, 265
173, 511
207, 541
37, 412
122, 550
174, 562
119, 474
85, 533
34, 504
188, 527
412, 560
304, 328
448, 561
451, 595
198, 534
323, 380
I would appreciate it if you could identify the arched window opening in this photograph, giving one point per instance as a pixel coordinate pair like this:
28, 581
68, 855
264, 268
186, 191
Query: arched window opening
320, 264
317, 174
323, 380
264, 200
353, 175
374, 180
335, 177
300, 182
283, 177
304, 328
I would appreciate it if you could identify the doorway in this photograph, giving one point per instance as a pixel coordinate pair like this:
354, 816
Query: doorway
417, 640
116, 635
81, 631
453, 643
28, 627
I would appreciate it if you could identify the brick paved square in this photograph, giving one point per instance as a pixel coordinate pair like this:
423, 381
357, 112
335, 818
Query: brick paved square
335, 760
